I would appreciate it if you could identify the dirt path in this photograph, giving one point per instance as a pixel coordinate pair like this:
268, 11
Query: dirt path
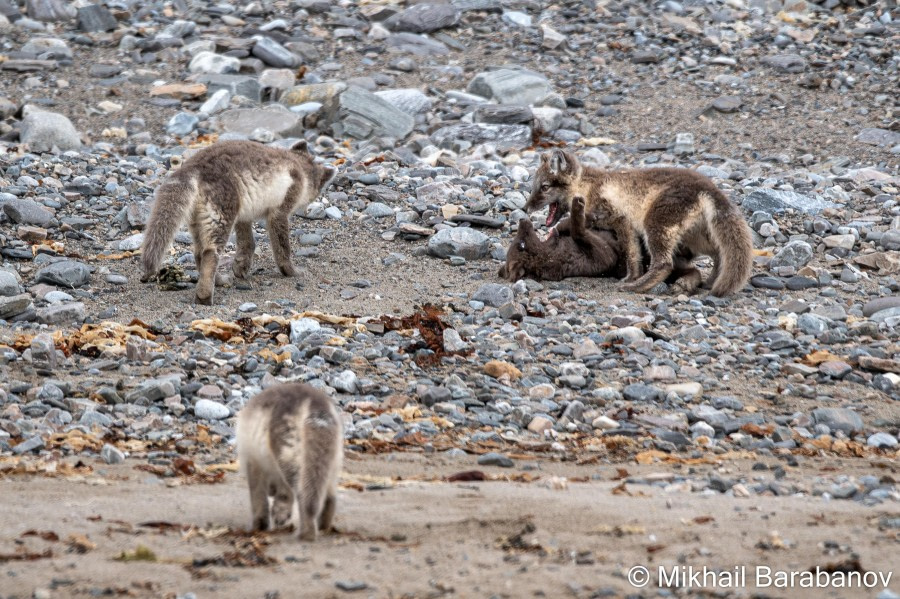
413, 538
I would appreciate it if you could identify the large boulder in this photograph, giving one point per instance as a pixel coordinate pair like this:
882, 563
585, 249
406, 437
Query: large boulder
244, 121
463, 241
43, 131
424, 18
361, 114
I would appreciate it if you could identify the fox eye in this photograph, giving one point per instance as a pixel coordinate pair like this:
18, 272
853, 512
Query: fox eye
545, 186
521, 245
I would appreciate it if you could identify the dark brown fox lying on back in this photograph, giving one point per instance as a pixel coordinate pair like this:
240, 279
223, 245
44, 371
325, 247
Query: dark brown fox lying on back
571, 250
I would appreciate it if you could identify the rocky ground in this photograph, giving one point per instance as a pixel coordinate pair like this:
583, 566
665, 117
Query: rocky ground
551, 398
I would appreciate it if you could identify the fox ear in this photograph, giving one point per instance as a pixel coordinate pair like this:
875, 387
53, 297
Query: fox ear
561, 163
326, 173
301, 146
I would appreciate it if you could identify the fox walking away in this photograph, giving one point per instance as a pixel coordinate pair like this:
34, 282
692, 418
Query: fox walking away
226, 187
678, 213
290, 446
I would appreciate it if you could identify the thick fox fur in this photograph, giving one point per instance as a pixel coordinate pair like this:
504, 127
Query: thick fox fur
290, 446
571, 250
677, 213
228, 186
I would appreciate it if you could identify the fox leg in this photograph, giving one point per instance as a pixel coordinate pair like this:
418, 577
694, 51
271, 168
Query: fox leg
246, 245
209, 257
577, 219
279, 234
326, 518
686, 278
282, 503
661, 247
631, 245
259, 501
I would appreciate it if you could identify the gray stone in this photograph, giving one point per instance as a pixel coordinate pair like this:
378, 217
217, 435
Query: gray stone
212, 63
43, 352
23, 211
727, 103
361, 114
495, 459
181, 124
453, 342
509, 114
67, 273
840, 419
207, 409
879, 304
493, 294
795, 254
12, 305
236, 85
378, 210
774, 201
302, 327
30, 444
274, 54
503, 137
411, 101
424, 18
47, 48
511, 86
418, 45
466, 242
95, 18
641, 392
43, 131
49, 10
345, 382
812, 324
882, 440
878, 137
153, 390
62, 313
787, 63
9, 284
131, 243
111, 454
244, 121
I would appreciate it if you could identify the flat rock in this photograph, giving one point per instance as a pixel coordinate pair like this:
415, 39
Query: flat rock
511, 86
361, 114
787, 63
245, 121
878, 137
14, 304
838, 419
95, 18
879, 304
776, 201
274, 54
411, 101
424, 18
27, 212
62, 313
67, 273
503, 137
210, 62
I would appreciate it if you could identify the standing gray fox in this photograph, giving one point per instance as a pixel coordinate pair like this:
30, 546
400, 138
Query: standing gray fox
228, 186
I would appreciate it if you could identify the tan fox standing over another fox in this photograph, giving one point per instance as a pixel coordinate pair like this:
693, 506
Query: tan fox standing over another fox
291, 446
678, 212
228, 186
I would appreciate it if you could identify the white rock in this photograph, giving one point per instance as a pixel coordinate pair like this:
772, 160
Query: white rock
206, 409
210, 62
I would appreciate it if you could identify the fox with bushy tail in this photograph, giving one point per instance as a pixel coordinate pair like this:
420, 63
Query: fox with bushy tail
226, 187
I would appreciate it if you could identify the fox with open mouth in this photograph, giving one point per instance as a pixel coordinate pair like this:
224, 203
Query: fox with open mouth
677, 213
